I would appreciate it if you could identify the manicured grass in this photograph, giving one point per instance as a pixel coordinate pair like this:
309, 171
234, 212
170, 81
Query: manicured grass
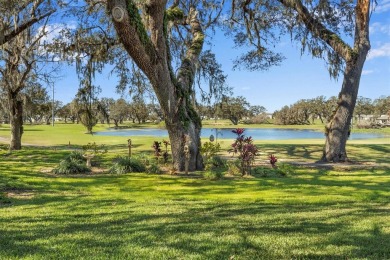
314, 213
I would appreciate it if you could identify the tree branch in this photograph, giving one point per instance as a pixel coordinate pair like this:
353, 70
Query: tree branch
319, 30
23, 27
133, 35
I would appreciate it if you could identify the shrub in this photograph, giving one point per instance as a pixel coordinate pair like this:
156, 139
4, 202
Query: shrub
153, 169
212, 175
127, 165
233, 168
215, 162
71, 166
144, 158
285, 169
262, 171
209, 149
75, 155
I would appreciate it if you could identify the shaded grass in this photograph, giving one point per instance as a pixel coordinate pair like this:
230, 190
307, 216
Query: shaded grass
313, 214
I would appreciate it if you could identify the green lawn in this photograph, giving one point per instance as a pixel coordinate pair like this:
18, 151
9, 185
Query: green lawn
311, 214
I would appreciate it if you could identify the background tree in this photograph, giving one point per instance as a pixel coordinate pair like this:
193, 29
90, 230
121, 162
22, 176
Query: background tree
364, 106
155, 113
64, 112
36, 102
17, 16
138, 110
4, 113
322, 28
256, 110
233, 108
382, 105
20, 57
104, 109
87, 107
119, 111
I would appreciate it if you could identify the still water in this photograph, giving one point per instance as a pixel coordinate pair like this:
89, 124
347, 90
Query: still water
256, 133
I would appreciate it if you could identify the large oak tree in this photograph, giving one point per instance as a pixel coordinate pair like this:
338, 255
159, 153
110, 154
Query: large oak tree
153, 33
324, 28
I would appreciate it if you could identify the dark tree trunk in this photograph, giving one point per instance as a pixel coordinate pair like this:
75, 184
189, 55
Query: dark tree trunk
16, 121
116, 123
338, 129
234, 120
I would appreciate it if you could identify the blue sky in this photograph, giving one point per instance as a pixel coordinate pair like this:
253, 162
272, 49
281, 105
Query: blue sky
299, 77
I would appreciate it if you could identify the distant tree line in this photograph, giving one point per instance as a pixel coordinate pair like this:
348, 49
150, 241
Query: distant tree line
39, 110
305, 111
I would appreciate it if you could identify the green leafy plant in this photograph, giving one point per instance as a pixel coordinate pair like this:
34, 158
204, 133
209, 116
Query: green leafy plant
126, 165
233, 168
212, 175
209, 150
144, 158
153, 169
262, 171
215, 162
285, 169
71, 166
75, 155
93, 148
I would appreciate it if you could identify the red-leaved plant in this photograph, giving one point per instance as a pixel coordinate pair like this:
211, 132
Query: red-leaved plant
246, 150
273, 160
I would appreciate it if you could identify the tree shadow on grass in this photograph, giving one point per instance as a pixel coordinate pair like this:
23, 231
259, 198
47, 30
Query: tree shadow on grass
160, 229
137, 216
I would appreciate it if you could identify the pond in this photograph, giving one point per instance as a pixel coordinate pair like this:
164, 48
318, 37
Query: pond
256, 133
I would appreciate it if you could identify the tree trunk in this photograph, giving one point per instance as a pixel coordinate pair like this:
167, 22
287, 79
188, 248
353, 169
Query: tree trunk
338, 129
147, 44
16, 121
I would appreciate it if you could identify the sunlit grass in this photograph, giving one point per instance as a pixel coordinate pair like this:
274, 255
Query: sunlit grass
314, 213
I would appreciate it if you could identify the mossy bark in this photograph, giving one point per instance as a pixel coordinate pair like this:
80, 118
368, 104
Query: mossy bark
147, 45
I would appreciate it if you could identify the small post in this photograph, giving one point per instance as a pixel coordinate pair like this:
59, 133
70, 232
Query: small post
187, 157
187, 152
129, 145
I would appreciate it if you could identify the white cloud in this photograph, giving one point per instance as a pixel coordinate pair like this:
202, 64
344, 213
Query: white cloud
382, 51
380, 28
383, 6
54, 30
366, 72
